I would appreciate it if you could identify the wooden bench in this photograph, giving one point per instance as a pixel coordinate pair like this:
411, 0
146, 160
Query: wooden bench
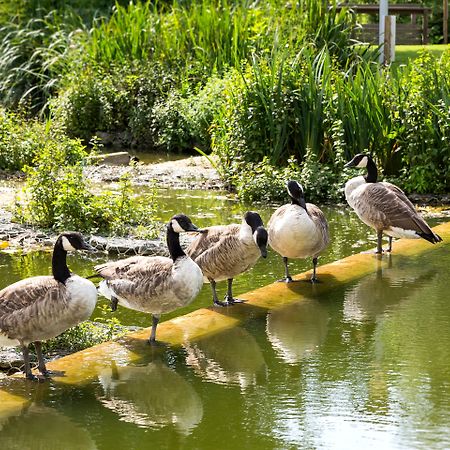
407, 33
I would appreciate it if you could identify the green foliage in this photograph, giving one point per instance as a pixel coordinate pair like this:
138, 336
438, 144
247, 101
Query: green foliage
260, 83
58, 196
423, 118
34, 55
314, 110
264, 182
85, 335
20, 140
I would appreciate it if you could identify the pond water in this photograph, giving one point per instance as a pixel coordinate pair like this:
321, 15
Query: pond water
365, 365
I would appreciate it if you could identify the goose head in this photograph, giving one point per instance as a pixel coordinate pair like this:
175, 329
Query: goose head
361, 161
181, 223
259, 233
71, 241
295, 191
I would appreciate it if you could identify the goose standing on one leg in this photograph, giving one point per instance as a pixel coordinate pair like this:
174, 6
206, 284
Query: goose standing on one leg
225, 251
39, 308
156, 284
383, 206
298, 230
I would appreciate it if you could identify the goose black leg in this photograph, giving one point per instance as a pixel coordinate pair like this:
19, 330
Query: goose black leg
379, 243
216, 300
41, 360
229, 297
155, 321
389, 249
26, 361
287, 278
313, 277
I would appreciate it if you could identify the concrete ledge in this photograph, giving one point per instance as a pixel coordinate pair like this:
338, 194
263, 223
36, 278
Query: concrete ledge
84, 366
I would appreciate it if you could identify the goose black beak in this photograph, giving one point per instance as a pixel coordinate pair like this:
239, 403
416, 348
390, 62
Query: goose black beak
349, 164
263, 250
88, 247
194, 229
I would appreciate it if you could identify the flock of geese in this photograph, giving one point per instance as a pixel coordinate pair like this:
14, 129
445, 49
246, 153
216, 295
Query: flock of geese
39, 308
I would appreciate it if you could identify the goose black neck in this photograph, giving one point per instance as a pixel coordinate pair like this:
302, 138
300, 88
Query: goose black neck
59, 265
173, 243
299, 201
372, 172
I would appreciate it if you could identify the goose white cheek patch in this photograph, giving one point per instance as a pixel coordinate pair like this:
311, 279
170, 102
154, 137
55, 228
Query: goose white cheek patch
67, 246
176, 226
363, 162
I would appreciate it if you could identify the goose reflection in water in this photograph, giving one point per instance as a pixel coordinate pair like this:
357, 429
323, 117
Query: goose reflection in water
152, 396
297, 330
230, 357
42, 428
375, 294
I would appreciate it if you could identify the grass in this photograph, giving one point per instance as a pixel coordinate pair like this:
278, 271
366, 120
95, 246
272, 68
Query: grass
407, 53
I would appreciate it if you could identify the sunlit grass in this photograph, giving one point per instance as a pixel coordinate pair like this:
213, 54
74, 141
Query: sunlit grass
407, 53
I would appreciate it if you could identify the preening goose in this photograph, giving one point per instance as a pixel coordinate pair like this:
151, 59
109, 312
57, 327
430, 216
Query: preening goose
383, 206
42, 307
225, 251
298, 230
155, 284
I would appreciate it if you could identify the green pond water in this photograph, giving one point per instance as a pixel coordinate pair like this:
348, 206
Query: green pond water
365, 366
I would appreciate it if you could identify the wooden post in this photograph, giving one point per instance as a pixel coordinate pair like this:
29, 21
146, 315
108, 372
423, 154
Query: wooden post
425, 27
445, 21
383, 12
389, 39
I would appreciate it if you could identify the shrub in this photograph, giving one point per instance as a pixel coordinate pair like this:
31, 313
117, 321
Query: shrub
85, 335
57, 196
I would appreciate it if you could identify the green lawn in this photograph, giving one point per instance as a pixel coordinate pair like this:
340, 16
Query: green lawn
403, 53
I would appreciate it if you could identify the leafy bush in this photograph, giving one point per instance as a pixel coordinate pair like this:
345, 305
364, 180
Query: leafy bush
57, 196
85, 335
21, 140
423, 121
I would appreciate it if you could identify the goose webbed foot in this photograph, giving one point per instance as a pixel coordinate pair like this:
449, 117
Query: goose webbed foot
52, 373
156, 344
217, 302
286, 280
34, 378
31, 377
231, 300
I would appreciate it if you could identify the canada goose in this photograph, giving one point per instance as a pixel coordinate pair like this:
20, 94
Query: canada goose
298, 230
42, 307
154, 284
383, 206
224, 251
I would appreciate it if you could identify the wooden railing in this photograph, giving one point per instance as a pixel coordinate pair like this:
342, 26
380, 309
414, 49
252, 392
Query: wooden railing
407, 33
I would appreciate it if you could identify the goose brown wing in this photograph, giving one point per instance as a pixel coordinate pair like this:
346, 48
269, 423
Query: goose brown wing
137, 277
320, 220
221, 256
30, 293
120, 268
209, 239
393, 207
